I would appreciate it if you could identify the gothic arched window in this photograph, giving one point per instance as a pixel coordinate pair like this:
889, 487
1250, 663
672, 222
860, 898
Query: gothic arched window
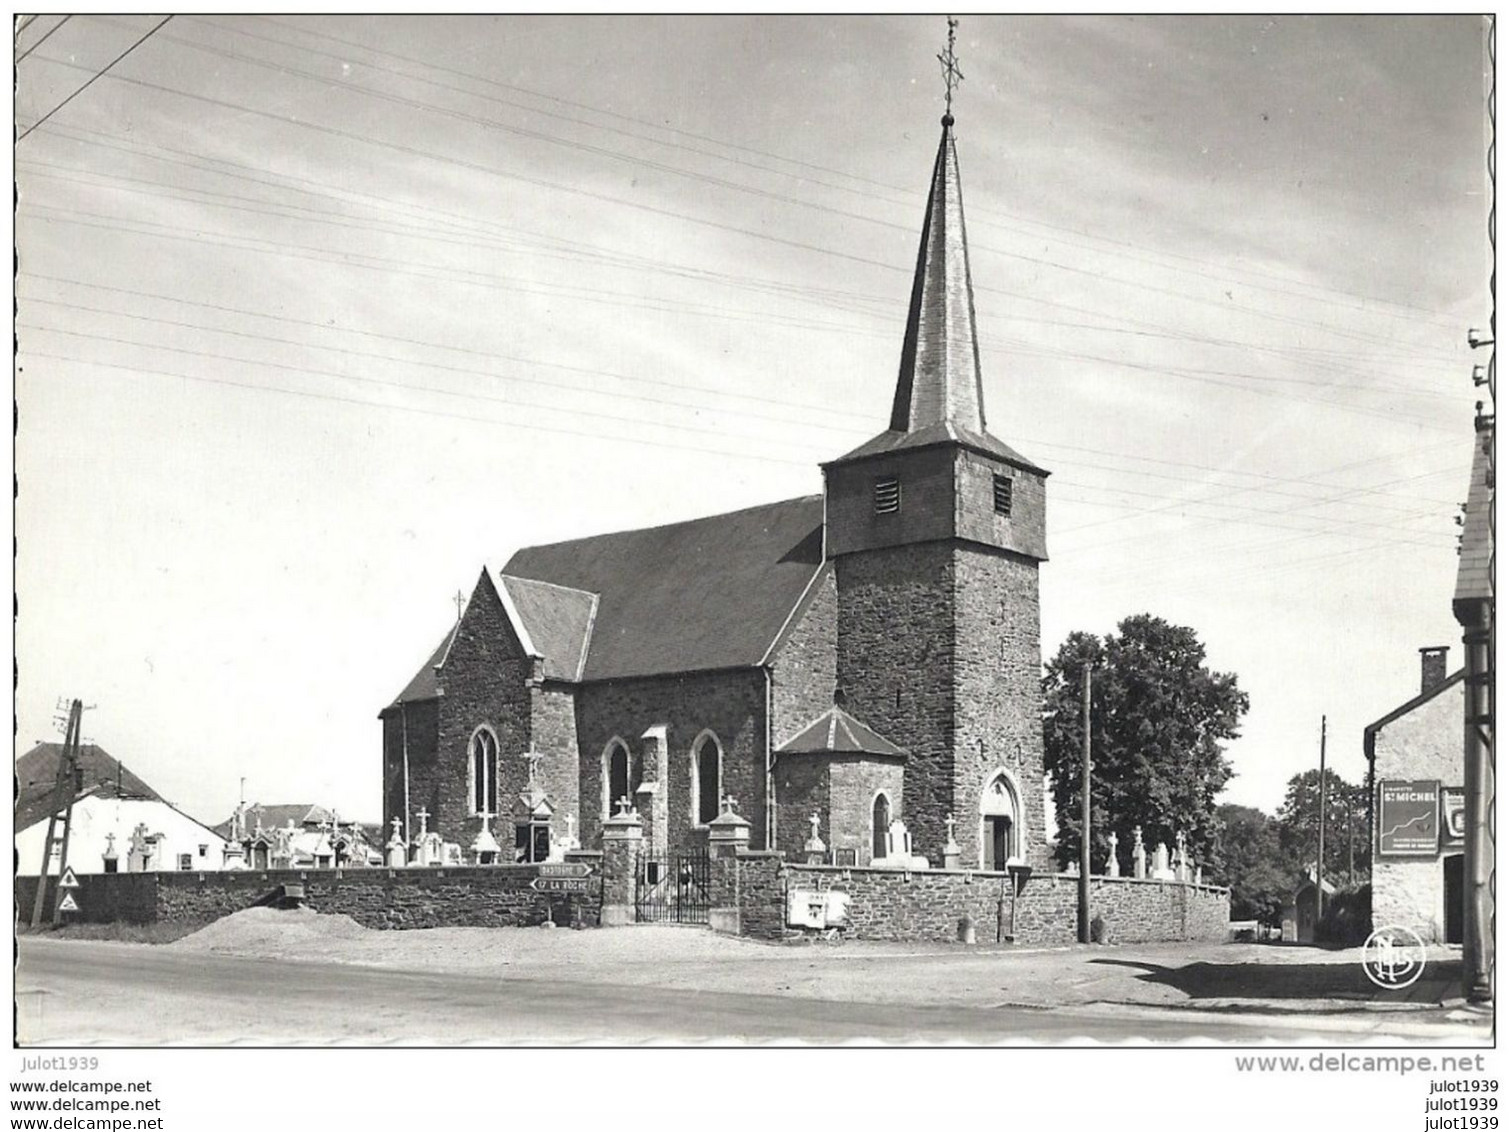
880, 824
707, 778
484, 772
620, 776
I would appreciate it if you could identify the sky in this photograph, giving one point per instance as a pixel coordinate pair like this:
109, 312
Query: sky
317, 317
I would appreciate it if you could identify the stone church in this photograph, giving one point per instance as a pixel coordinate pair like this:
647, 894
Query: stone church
865, 655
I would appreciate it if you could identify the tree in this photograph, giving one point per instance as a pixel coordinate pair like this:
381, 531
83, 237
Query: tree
1252, 864
1158, 719
1347, 846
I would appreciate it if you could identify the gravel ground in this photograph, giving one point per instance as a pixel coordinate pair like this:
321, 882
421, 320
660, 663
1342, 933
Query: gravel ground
1211, 976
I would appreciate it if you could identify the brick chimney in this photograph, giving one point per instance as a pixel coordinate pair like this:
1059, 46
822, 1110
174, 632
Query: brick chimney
1433, 667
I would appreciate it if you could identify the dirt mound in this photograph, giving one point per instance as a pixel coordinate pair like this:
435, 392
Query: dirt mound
272, 931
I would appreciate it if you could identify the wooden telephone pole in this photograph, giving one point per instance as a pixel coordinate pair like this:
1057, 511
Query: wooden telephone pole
65, 789
1084, 822
1320, 848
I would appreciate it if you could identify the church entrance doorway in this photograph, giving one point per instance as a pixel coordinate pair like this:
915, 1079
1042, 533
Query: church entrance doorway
999, 822
997, 843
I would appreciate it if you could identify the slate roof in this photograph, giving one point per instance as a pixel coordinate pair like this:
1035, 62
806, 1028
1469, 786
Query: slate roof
1474, 578
686, 597
945, 432
37, 771
836, 732
559, 622
426, 683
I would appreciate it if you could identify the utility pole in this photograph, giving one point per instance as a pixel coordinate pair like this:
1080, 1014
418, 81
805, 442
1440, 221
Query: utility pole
1084, 824
63, 792
1320, 848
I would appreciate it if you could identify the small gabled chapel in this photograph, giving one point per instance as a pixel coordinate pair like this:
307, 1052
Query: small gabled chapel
865, 655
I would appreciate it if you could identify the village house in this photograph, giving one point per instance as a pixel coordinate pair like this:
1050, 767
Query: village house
119, 824
868, 654
1415, 779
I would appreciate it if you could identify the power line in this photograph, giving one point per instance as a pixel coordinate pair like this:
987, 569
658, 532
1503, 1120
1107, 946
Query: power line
861, 420
93, 79
578, 412
840, 299
44, 38
491, 123
617, 298
901, 195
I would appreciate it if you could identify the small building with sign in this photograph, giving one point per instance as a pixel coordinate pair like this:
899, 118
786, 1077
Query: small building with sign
1415, 774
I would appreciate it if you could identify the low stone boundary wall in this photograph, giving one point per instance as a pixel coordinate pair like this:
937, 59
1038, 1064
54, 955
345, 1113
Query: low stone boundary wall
471, 896
891, 904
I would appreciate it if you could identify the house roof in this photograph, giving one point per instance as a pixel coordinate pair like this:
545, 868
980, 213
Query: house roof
1474, 569
836, 732
1371, 730
558, 621
277, 817
704, 594
103, 775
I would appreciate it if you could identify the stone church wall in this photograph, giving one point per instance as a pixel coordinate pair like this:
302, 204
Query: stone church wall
803, 670
423, 729
484, 680
730, 703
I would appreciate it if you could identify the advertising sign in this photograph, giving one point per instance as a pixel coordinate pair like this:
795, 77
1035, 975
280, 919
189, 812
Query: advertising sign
1453, 815
1409, 819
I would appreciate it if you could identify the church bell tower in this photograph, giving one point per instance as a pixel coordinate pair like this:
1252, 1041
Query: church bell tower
935, 530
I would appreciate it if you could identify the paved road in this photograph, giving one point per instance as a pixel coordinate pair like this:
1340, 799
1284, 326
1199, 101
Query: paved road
81, 993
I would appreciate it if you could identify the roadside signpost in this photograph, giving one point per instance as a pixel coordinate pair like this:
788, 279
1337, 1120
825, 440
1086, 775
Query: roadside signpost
561, 884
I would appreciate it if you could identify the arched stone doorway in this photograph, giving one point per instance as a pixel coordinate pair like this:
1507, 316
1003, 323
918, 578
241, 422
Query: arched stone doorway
1000, 821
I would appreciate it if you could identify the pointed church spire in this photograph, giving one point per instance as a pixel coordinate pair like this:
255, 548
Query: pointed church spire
939, 382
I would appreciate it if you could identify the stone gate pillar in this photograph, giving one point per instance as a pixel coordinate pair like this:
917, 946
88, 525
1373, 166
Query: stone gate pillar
623, 834
653, 796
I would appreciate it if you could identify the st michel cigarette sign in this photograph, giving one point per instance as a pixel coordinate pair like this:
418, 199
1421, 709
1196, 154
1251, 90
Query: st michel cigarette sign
1409, 819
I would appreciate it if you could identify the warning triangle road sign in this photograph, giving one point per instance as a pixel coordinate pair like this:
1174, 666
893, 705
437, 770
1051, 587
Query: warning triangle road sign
67, 904
69, 880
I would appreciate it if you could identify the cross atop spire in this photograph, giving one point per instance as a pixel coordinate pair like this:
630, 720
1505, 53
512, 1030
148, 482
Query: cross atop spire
952, 76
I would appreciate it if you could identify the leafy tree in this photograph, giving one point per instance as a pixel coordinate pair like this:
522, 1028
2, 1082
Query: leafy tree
1346, 826
1158, 719
1252, 864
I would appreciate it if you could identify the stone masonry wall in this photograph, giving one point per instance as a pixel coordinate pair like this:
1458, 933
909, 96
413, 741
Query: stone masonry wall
499, 896
730, 703
853, 782
896, 670
804, 668
801, 788
553, 731
102, 898
887, 904
422, 723
484, 681
998, 693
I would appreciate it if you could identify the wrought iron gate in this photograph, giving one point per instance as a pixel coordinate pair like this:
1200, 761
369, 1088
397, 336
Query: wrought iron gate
672, 888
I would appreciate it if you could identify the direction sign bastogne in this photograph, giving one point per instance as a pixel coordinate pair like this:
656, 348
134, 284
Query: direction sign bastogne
560, 884
565, 869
